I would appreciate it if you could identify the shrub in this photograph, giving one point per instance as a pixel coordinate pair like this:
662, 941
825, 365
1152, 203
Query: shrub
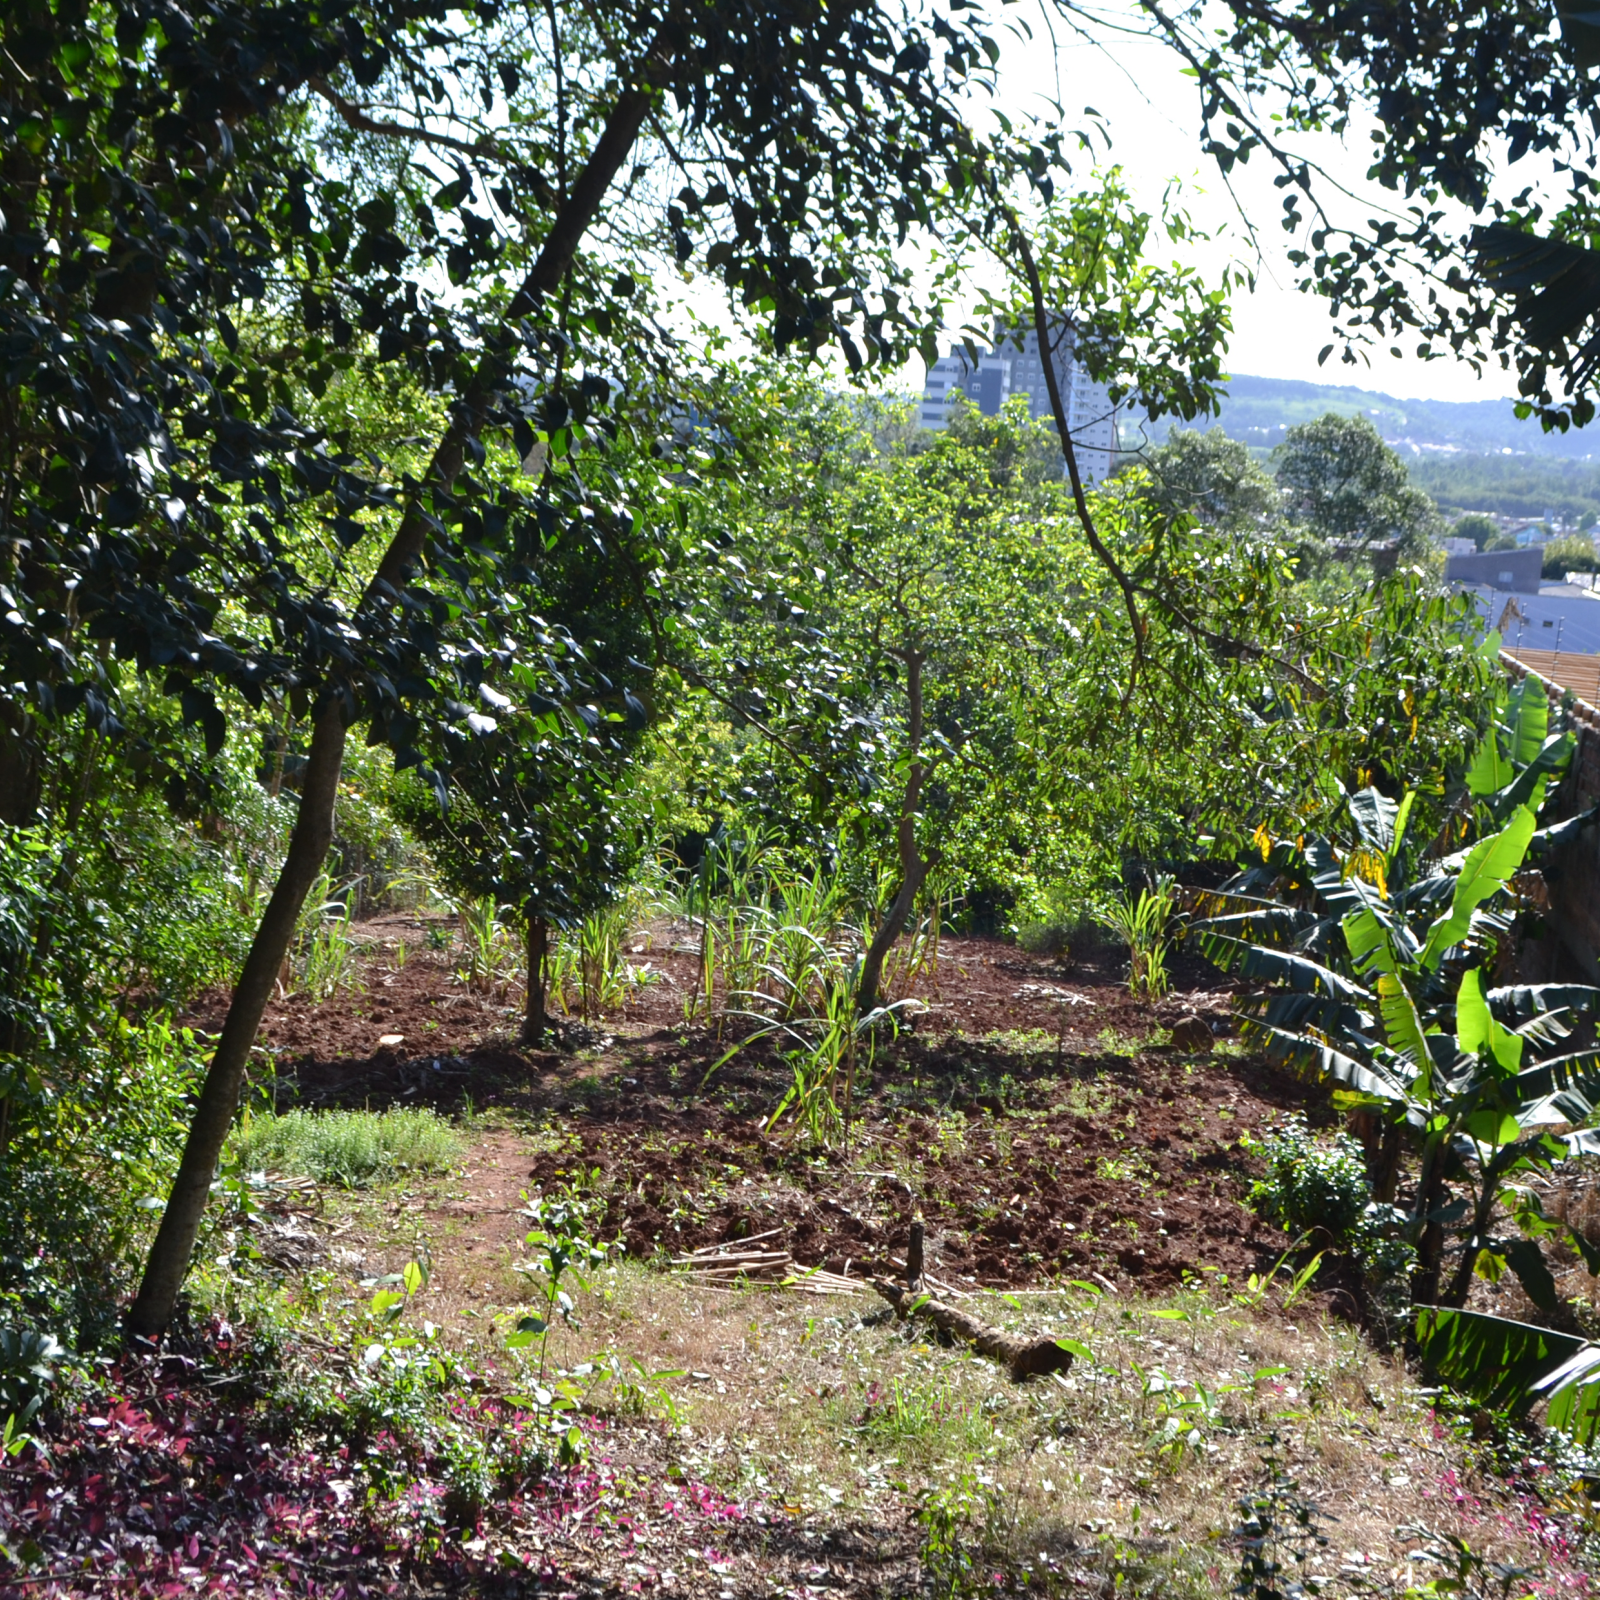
1320, 1186
1311, 1184
350, 1148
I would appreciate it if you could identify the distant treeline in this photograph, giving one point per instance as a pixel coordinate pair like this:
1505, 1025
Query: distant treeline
1514, 486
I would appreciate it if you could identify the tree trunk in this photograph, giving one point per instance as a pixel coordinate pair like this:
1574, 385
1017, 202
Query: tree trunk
533, 1020
168, 1262
913, 869
1428, 1235
890, 929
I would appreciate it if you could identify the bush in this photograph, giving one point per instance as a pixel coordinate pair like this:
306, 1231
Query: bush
349, 1148
1320, 1187
1311, 1185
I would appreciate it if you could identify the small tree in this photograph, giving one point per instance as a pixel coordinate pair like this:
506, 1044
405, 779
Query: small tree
534, 821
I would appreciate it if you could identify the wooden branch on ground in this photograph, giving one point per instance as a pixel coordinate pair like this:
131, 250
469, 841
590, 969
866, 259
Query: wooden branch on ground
1024, 1358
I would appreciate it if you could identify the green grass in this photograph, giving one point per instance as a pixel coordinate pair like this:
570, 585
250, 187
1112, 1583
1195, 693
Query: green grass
349, 1148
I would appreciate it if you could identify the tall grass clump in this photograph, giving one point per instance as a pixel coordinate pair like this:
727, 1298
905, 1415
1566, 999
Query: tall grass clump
351, 1148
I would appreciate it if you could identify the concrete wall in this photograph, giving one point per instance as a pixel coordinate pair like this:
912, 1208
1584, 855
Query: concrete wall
1517, 570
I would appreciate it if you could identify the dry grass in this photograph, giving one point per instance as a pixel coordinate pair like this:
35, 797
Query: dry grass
831, 1409
834, 1415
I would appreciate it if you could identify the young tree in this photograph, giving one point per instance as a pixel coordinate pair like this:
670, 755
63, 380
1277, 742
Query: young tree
532, 822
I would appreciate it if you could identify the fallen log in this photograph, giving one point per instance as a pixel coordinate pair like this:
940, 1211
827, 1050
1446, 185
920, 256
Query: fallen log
1025, 1358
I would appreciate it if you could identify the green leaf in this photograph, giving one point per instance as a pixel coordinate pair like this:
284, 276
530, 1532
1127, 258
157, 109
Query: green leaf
1375, 815
386, 1305
1493, 1359
1477, 1030
1401, 1024
1526, 1259
1492, 1126
1401, 820
1489, 772
1527, 720
1489, 864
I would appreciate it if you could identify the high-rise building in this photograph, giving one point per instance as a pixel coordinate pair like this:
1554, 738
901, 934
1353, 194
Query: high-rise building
1013, 367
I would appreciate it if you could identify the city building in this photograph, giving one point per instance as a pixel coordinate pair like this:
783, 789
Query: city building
1014, 366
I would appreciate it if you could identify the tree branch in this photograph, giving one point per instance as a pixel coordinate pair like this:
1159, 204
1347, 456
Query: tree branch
362, 120
1041, 325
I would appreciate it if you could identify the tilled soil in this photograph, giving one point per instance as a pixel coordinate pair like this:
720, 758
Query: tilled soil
1031, 1117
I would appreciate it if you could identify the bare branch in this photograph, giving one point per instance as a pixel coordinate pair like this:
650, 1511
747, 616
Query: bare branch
362, 120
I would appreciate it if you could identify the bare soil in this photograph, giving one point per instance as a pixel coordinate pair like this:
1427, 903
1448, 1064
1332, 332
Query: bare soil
1033, 1115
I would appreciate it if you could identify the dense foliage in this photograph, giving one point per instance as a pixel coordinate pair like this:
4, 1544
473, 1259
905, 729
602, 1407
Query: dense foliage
353, 387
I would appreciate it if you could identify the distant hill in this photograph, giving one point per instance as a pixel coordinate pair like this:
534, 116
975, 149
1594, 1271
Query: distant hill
1259, 410
1470, 455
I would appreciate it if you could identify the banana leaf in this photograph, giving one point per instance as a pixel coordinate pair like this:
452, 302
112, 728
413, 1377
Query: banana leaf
1371, 1078
1374, 815
1488, 866
1552, 759
1278, 966
1493, 1359
1552, 840
1522, 1000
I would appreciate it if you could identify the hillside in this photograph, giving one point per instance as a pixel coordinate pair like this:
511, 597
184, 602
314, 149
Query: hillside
1259, 410
1470, 455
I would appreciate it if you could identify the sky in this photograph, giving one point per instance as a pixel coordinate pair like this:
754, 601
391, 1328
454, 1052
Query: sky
1153, 114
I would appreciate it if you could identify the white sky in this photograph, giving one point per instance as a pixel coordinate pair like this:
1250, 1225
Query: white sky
1153, 114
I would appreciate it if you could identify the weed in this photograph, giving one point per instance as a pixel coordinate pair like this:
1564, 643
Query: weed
350, 1148
950, 1553
1277, 1534
491, 954
322, 959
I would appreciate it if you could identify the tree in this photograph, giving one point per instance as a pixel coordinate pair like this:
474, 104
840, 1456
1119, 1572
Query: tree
1572, 554
1211, 478
1448, 91
1377, 942
1347, 491
165, 507
535, 816
1478, 526
532, 823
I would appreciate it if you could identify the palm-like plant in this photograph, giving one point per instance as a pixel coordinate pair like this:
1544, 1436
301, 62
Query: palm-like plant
1376, 950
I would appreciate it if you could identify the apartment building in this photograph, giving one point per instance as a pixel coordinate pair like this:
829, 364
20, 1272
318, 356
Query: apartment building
1015, 366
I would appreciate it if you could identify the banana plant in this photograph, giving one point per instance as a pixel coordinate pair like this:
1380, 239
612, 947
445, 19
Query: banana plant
1375, 950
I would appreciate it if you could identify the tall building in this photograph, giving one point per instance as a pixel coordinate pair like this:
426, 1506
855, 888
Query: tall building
1013, 367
